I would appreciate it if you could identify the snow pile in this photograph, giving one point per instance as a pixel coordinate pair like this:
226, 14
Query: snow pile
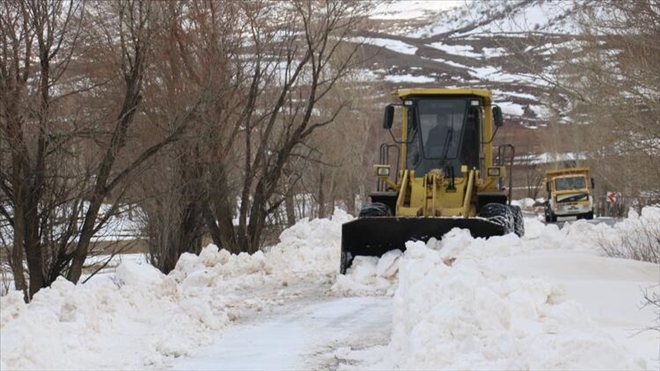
638, 237
583, 235
370, 276
464, 317
310, 247
549, 300
83, 327
642, 229
578, 235
149, 318
374, 276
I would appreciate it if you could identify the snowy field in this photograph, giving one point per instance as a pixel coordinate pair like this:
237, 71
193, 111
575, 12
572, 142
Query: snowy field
549, 300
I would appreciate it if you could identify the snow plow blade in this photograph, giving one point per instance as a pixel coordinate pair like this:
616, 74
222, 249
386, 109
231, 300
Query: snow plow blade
374, 236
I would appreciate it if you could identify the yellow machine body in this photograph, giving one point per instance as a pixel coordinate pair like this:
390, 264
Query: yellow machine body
436, 188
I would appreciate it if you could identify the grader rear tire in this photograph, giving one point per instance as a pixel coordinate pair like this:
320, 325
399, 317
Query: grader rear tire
499, 214
518, 221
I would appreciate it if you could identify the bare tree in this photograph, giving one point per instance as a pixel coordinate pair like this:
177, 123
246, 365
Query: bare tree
603, 87
532, 174
348, 151
620, 89
44, 33
64, 147
294, 64
197, 53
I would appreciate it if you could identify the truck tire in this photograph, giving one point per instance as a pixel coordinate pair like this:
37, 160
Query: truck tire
518, 221
546, 212
588, 216
345, 261
550, 217
375, 209
499, 214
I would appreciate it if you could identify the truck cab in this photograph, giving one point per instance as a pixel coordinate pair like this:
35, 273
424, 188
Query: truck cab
569, 194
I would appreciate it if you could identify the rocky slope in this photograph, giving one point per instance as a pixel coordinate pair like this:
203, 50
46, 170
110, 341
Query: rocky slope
503, 46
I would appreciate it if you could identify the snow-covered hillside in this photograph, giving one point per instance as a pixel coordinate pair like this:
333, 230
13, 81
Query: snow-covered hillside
504, 17
549, 300
413, 9
503, 46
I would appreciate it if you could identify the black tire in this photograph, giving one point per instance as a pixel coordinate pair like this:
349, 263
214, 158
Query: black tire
375, 209
588, 216
499, 214
518, 221
550, 217
344, 262
547, 212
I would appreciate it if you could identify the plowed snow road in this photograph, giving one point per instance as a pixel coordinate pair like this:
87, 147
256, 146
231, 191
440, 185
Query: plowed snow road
298, 337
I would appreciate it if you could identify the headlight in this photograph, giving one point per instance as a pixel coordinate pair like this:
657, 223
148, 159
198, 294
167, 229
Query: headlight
494, 171
382, 170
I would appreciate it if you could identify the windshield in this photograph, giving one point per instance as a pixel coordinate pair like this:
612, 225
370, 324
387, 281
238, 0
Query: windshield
565, 184
435, 141
441, 122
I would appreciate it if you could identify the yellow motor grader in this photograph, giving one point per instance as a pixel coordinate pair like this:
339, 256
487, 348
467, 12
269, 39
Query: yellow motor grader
446, 174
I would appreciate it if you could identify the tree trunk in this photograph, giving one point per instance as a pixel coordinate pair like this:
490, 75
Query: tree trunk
223, 233
333, 192
290, 207
321, 195
129, 108
33, 251
19, 228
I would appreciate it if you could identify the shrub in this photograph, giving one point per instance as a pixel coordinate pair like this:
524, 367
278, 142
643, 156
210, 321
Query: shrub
639, 237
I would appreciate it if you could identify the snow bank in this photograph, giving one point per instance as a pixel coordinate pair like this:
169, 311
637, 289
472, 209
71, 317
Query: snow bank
548, 300
369, 275
129, 320
310, 247
138, 318
465, 317
641, 229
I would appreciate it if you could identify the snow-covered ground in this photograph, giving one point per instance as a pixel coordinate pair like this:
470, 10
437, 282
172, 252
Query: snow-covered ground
549, 300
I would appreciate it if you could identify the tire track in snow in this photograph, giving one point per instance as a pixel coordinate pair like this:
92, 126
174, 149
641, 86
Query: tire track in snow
298, 337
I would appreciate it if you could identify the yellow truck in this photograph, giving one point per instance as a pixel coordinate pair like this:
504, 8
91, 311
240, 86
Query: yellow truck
569, 194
